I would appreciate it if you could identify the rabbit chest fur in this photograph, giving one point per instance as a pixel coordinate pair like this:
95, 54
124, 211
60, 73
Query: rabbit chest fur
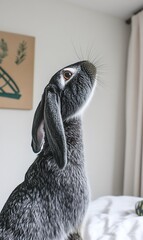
50, 203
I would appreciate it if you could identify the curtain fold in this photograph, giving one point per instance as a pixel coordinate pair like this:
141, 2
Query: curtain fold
133, 170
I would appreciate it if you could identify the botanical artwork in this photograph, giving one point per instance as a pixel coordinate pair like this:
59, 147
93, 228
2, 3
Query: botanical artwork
16, 70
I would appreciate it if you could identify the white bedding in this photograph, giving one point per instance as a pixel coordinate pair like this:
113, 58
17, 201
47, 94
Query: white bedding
113, 218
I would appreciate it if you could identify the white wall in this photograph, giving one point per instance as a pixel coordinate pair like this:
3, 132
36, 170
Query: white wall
58, 26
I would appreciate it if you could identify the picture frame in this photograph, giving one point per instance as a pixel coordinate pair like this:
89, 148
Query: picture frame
16, 70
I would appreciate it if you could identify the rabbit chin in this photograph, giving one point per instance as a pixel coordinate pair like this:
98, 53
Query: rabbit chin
80, 112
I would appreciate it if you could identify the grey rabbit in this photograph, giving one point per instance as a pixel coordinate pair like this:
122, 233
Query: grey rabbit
51, 202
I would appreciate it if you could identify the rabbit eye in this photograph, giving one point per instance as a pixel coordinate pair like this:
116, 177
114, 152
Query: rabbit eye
67, 75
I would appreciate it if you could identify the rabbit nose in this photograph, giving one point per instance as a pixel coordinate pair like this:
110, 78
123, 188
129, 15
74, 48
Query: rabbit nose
89, 68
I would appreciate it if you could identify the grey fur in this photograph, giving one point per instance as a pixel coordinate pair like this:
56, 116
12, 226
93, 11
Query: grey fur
51, 202
74, 236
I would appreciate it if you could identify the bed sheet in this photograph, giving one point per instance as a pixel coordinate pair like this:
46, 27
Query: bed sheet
113, 218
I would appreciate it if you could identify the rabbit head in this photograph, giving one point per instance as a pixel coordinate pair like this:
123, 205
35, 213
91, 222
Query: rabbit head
66, 94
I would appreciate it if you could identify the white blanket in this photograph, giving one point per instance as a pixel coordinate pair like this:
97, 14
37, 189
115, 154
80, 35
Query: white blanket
113, 218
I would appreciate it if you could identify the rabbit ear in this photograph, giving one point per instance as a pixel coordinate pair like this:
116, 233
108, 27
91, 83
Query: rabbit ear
54, 128
38, 127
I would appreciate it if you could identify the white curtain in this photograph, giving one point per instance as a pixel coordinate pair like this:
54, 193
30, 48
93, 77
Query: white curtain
133, 171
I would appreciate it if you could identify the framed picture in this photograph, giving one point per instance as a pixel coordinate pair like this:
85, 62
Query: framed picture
16, 70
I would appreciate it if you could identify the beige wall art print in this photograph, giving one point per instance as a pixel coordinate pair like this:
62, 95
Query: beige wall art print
16, 70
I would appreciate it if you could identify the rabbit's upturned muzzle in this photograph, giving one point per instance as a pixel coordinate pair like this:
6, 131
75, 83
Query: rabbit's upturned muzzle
90, 69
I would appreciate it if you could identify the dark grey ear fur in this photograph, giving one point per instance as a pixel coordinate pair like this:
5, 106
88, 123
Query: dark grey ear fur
54, 128
48, 113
